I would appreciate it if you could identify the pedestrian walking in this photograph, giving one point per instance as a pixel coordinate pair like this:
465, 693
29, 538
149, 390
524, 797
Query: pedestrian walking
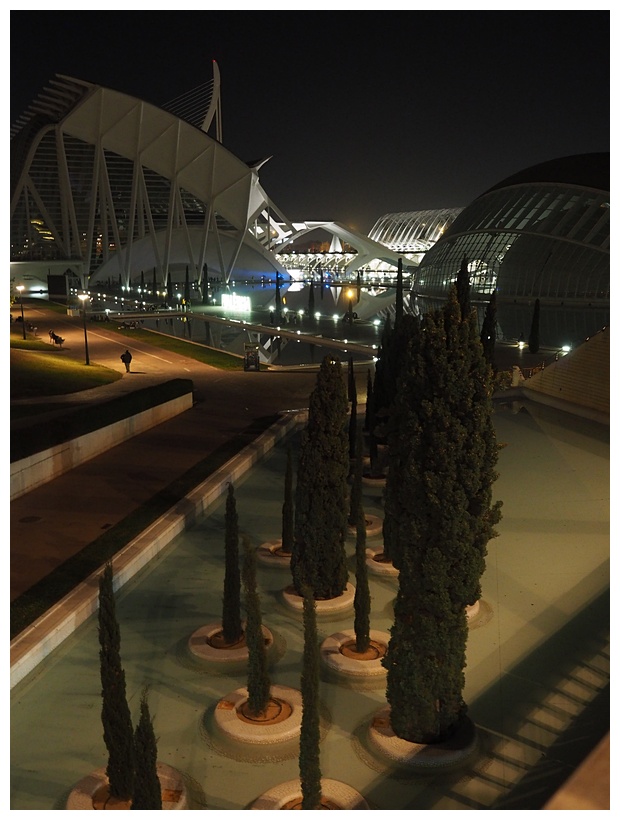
126, 358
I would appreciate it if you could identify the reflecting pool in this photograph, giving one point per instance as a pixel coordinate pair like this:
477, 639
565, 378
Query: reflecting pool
537, 654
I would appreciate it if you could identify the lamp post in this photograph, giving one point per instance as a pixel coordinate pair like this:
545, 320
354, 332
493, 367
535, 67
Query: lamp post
83, 297
20, 288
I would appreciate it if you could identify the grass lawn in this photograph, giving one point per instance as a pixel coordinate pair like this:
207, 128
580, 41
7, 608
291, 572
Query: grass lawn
206, 355
36, 371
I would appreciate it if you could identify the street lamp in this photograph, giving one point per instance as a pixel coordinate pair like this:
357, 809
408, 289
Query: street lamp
83, 297
20, 288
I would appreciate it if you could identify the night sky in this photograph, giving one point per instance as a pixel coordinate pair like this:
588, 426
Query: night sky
363, 113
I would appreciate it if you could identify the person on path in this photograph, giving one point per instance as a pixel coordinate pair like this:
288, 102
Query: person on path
126, 358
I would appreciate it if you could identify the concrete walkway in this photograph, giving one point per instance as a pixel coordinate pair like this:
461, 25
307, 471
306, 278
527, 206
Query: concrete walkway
54, 522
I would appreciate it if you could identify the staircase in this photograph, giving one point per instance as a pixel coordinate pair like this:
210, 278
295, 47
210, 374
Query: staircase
580, 378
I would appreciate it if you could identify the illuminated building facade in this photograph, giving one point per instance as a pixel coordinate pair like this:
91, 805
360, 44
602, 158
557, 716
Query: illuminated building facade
543, 233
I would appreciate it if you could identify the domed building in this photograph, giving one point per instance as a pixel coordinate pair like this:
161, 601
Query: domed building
542, 234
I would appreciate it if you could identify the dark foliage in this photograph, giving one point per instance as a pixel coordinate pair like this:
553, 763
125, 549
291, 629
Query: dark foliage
231, 611
115, 715
463, 289
319, 558
259, 685
439, 518
361, 601
288, 511
353, 426
489, 330
309, 753
368, 412
147, 788
399, 307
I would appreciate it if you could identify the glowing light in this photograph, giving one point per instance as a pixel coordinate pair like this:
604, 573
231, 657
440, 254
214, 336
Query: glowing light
376, 322
236, 303
566, 348
317, 315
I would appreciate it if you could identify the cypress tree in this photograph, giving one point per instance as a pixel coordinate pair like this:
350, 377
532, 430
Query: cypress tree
351, 388
381, 397
438, 499
205, 285
398, 315
278, 299
310, 737
489, 330
288, 512
355, 501
534, 338
361, 601
231, 612
115, 715
319, 558
147, 788
462, 288
259, 685
353, 426
368, 413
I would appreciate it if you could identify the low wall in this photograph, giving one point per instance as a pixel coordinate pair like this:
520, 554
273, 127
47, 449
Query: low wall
32, 645
39, 468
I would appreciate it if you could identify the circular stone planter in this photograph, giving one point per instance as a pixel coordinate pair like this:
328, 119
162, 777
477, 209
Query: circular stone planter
270, 554
282, 721
93, 788
422, 756
472, 611
338, 652
374, 526
343, 603
373, 480
335, 794
201, 646
377, 567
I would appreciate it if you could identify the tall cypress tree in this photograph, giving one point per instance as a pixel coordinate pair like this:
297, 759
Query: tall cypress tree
462, 288
353, 426
351, 388
319, 558
534, 337
310, 737
288, 512
355, 501
438, 499
147, 788
278, 299
399, 306
368, 413
259, 685
381, 397
115, 714
361, 601
231, 611
488, 332
311, 300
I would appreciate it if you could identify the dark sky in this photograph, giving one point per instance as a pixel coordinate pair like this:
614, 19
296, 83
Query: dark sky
364, 113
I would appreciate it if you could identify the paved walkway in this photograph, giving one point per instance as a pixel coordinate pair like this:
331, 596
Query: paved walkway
55, 521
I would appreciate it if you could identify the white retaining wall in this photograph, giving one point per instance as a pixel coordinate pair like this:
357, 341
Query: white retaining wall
39, 468
32, 645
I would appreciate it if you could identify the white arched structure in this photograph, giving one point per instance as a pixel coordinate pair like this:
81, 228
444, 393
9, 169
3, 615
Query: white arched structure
107, 182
